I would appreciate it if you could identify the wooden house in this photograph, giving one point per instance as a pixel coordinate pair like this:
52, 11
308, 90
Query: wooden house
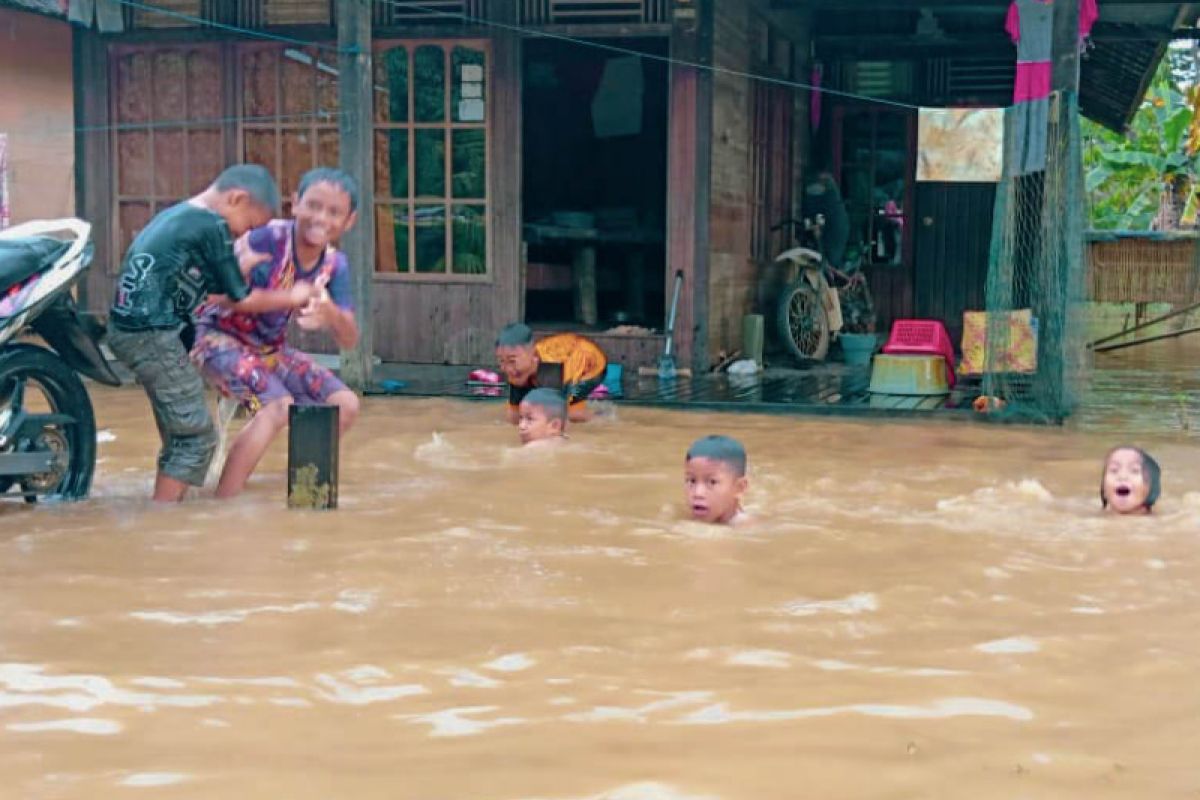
559, 161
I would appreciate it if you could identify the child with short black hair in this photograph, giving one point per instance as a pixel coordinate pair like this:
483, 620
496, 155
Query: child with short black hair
247, 357
1131, 482
715, 480
183, 256
542, 417
583, 366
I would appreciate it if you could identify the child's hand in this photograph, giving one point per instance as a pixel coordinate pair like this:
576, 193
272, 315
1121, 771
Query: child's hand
318, 313
301, 294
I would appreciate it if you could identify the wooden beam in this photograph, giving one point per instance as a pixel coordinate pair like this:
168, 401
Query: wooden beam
1066, 47
357, 157
93, 164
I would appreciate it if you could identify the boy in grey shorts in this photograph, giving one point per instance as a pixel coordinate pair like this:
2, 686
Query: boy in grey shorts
183, 256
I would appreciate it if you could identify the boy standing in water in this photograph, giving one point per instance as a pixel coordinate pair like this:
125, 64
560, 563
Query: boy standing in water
246, 356
583, 366
542, 416
714, 477
182, 256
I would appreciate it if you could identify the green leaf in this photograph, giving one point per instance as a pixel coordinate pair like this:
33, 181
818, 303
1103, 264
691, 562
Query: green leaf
1097, 177
1176, 126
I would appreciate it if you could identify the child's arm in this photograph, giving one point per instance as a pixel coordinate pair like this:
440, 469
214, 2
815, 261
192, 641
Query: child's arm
263, 300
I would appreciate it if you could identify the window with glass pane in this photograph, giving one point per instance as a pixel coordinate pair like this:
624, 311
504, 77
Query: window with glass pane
874, 183
431, 154
289, 120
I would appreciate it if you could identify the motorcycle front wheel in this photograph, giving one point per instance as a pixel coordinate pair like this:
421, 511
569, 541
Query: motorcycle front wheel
35, 381
802, 323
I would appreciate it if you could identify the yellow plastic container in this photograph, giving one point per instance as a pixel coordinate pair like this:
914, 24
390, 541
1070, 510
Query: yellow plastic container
921, 376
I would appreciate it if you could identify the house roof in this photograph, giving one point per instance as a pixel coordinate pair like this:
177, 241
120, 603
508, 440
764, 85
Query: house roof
1127, 43
51, 8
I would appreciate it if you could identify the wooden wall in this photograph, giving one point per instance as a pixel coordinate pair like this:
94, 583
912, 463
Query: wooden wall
37, 113
738, 284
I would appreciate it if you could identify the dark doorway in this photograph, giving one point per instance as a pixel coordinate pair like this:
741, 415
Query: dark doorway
594, 183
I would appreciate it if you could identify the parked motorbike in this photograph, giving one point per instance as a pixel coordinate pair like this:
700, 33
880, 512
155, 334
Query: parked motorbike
47, 425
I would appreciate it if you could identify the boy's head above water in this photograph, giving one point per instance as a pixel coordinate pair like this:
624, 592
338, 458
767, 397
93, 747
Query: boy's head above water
516, 355
715, 479
542, 416
245, 195
1131, 481
325, 206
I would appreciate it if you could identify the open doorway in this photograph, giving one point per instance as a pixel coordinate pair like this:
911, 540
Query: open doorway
594, 184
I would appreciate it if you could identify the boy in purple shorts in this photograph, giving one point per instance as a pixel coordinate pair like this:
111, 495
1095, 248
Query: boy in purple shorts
246, 356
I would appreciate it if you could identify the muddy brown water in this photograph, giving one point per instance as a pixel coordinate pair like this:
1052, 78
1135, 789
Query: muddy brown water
923, 610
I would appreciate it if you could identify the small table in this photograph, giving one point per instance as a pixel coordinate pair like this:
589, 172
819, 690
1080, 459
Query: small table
583, 243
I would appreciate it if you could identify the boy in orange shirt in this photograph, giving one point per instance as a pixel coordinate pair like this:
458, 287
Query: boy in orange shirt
583, 367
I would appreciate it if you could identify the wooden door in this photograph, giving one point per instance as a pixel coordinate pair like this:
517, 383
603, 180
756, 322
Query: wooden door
954, 230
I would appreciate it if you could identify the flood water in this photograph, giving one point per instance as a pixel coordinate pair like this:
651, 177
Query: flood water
922, 610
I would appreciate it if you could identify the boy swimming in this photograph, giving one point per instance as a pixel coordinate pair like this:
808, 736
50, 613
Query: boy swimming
182, 256
246, 356
1131, 481
714, 475
541, 417
583, 366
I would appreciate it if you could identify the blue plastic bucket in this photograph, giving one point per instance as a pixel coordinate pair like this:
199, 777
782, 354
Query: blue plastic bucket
857, 348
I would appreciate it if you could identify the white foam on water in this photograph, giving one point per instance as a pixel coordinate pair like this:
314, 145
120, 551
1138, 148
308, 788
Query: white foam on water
513, 662
291, 702
279, 682
211, 619
212, 722
859, 603
1088, 610
770, 659
834, 665
90, 726
996, 573
562, 701
356, 601
366, 673
68, 622
640, 714
720, 714
346, 694
1041, 758
466, 677
455, 721
151, 682
105, 436
28, 685
1015, 644
645, 791
147, 779
1155, 563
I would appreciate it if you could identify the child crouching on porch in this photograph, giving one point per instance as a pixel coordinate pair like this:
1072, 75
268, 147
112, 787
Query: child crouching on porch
246, 356
583, 367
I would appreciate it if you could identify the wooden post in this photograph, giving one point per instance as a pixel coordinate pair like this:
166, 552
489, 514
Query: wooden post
585, 285
1066, 46
357, 157
313, 457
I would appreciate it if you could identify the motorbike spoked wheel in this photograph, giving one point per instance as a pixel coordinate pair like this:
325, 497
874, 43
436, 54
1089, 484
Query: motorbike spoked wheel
802, 323
34, 380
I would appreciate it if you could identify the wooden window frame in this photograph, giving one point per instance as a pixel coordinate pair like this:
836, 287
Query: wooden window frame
186, 126
314, 126
448, 126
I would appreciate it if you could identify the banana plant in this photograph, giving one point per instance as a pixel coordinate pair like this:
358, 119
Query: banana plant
1150, 173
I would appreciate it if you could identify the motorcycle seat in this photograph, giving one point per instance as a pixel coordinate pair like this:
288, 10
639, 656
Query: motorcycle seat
21, 259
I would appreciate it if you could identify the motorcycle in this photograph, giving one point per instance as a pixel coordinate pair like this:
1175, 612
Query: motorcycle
47, 424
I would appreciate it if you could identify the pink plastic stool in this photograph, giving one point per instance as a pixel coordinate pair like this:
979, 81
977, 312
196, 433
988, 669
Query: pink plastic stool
922, 337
